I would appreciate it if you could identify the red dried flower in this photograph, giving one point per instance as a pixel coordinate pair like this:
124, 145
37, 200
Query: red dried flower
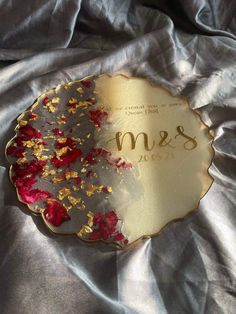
78, 180
111, 219
19, 140
105, 227
55, 213
118, 237
97, 218
90, 158
15, 151
86, 84
29, 132
70, 157
58, 132
45, 100
32, 116
33, 167
97, 116
32, 196
27, 182
95, 235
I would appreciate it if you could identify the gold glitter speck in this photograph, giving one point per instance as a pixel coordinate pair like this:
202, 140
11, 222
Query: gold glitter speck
80, 90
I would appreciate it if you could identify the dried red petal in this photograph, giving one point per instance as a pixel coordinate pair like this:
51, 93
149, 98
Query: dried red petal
27, 182
33, 167
105, 232
119, 162
111, 219
101, 152
15, 151
97, 218
105, 189
97, 116
95, 235
32, 196
70, 157
58, 132
45, 100
90, 158
96, 152
55, 213
19, 140
78, 180
29, 132
118, 237
86, 84
105, 227
32, 116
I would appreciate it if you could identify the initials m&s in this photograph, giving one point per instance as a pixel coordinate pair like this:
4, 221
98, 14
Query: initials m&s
189, 142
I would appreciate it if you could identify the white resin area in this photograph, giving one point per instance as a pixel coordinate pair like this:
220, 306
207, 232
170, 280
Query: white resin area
168, 145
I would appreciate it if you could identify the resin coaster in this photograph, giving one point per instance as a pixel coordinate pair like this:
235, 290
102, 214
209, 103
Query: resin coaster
110, 158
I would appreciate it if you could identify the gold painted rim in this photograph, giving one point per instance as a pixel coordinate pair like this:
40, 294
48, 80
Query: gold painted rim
134, 243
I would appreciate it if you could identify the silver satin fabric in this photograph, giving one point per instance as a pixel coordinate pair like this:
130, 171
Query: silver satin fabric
187, 46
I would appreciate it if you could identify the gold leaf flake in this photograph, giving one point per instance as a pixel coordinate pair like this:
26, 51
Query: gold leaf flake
71, 175
90, 216
84, 230
64, 192
109, 189
49, 137
21, 160
57, 180
76, 139
51, 107
48, 172
90, 190
73, 100
80, 90
62, 151
62, 119
62, 140
75, 188
55, 100
72, 110
29, 143
73, 200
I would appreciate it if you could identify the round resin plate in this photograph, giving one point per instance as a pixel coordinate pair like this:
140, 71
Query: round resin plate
110, 158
